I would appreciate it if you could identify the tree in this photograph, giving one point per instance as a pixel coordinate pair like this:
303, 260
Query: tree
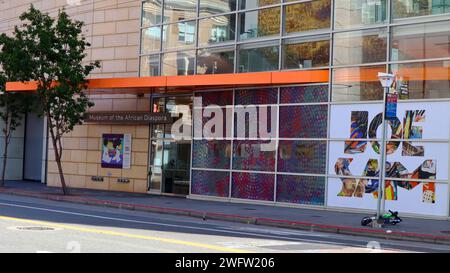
13, 106
54, 50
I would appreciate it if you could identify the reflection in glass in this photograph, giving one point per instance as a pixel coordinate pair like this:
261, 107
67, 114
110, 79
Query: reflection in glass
179, 35
150, 65
150, 40
258, 59
358, 47
217, 29
213, 154
307, 16
307, 190
255, 186
209, 7
178, 63
259, 23
252, 4
305, 54
310, 121
215, 61
151, 12
177, 10
412, 8
253, 155
210, 183
353, 13
357, 83
420, 41
424, 80
304, 93
297, 156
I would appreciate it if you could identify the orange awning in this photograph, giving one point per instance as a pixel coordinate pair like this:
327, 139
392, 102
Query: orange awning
194, 81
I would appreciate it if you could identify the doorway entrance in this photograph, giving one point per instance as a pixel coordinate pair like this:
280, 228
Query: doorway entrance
170, 156
34, 148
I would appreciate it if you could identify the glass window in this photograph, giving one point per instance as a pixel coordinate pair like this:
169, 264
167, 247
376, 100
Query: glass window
257, 59
353, 13
302, 94
213, 154
221, 98
217, 29
210, 183
150, 65
302, 156
358, 47
259, 23
215, 61
307, 190
179, 35
151, 12
252, 4
177, 10
420, 41
209, 7
412, 8
298, 54
255, 186
357, 83
424, 80
256, 96
307, 16
178, 63
253, 155
150, 40
310, 121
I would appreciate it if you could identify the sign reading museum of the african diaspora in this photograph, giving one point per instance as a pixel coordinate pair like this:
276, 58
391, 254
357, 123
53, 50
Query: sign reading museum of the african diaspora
128, 117
116, 151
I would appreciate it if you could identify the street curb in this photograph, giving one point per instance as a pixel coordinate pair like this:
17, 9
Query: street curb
382, 234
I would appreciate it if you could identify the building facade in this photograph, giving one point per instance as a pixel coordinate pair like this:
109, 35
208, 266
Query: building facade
282, 136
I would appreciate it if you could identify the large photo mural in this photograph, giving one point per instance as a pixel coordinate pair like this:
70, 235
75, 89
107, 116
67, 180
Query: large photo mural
417, 157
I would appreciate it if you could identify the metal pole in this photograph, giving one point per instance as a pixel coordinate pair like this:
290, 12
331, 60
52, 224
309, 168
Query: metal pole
381, 182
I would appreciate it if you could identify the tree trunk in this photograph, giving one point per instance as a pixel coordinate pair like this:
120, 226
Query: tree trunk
58, 156
5, 158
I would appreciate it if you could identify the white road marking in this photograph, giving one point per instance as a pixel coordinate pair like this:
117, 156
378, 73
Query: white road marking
180, 226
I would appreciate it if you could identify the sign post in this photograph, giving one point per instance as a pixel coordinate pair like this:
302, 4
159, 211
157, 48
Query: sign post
389, 111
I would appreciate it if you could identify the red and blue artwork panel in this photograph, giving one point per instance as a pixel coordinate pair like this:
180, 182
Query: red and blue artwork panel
307, 190
307, 121
211, 183
302, 94
255, 186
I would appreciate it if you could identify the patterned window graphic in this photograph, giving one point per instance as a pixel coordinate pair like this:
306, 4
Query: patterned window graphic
255, 186
220, 98
210, 183
302, 156
308, 121
253, 155
304, 94
214, 154
307, 190
256, 96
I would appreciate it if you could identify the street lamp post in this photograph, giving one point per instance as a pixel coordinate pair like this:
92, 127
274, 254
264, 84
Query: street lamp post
386, 81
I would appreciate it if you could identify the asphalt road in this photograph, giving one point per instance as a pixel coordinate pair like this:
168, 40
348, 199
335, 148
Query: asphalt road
36, 225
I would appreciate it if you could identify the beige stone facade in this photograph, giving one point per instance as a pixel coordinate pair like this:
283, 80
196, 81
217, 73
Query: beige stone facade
112, 28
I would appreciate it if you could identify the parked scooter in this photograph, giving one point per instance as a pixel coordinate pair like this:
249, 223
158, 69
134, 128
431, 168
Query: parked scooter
390, 218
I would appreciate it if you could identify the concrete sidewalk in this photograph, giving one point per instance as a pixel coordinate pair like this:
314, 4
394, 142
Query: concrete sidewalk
413, 229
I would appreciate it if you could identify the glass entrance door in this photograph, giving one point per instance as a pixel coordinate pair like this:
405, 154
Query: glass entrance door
170, 157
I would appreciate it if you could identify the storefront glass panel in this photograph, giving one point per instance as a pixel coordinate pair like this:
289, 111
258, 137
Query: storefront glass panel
259, 23
420, 41
177, 10
211, 154
258, 59
179, 35
360, 47
150, 40
307, 16
150, 65
252, 4
298, 53
209, 7
304, 94
212, 183
253, 155
306, 190
413, 8
151, 12
216, 30
255, 186
356, 13
178, 63
215, 61
311, 121
302, 156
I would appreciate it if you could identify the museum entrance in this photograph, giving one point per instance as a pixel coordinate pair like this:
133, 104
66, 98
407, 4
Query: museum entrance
170, 149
